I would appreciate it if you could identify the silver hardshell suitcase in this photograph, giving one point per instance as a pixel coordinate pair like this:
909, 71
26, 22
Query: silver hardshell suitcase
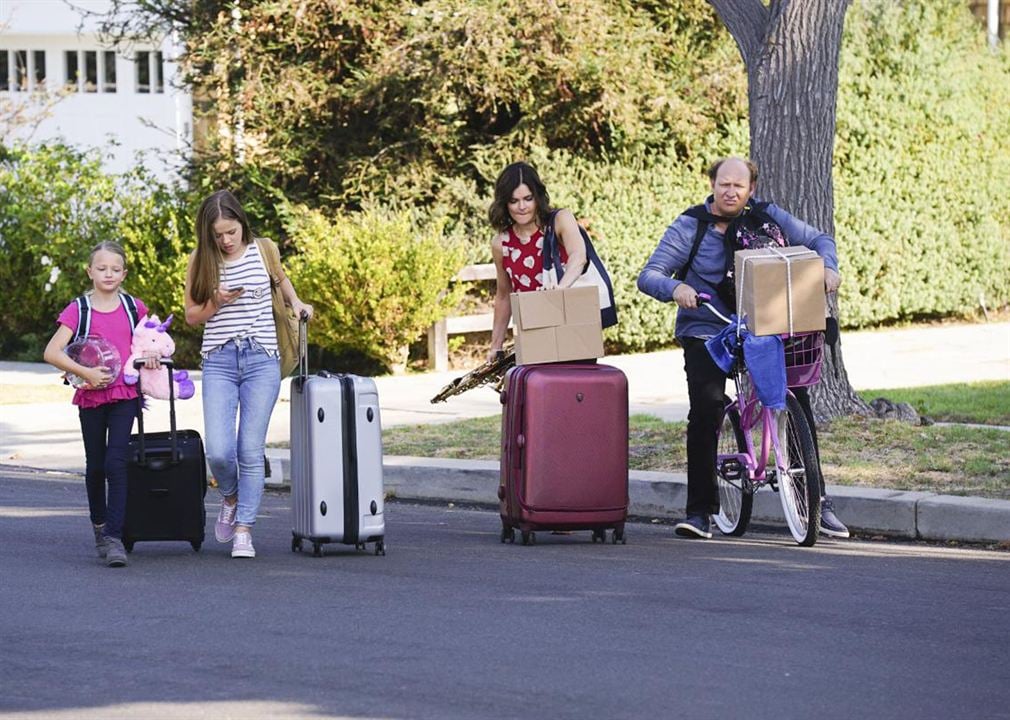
336, 461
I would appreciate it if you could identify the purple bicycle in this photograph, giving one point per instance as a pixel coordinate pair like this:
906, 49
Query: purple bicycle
759, 446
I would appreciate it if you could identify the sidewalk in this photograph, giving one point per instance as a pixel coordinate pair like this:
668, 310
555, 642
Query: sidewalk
47, 435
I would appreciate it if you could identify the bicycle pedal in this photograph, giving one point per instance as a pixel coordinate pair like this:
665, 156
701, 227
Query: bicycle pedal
731, 469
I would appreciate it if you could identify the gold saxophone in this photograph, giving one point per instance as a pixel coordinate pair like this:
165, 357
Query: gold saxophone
491, 372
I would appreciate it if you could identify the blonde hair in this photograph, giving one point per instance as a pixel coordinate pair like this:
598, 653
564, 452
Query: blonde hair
108, 246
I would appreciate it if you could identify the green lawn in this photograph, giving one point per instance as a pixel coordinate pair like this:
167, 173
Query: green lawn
987, 403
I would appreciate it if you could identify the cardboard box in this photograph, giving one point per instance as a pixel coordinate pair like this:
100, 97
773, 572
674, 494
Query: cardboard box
557, 325
779, 294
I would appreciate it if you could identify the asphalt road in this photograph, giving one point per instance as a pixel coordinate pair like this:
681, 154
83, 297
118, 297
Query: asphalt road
453, 624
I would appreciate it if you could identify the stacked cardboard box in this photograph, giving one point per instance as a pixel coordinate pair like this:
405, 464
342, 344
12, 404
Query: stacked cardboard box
780, 290
557, 325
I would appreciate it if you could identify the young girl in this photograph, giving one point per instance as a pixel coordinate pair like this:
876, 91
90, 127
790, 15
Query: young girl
106, 405
228, 289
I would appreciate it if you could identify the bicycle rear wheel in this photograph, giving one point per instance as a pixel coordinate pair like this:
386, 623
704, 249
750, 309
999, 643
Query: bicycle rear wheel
800, 484
735, 495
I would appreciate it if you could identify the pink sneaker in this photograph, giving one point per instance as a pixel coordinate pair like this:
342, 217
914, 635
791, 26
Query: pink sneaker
224, 528
243, 547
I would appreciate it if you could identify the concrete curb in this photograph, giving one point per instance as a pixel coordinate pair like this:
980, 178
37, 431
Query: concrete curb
893, 513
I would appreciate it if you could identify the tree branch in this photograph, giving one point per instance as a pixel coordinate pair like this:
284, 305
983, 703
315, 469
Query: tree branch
746, 21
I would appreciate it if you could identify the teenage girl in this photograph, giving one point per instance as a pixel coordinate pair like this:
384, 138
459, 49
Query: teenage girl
228, 292
106, 405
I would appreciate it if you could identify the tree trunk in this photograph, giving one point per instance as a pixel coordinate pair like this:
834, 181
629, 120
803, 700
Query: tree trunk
790, 49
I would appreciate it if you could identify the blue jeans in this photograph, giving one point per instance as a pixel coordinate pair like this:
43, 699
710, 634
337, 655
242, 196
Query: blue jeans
239, 375
106, 433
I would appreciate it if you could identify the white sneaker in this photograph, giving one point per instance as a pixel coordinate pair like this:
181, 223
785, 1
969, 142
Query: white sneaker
242, 547
224, 528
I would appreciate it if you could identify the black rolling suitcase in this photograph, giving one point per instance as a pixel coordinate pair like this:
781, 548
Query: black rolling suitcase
167, 482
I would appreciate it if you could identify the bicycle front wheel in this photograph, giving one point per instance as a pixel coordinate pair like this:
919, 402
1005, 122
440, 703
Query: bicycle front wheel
799, 474
735, 498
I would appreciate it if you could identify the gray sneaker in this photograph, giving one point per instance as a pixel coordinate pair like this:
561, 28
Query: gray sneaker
242, 546
101, 542
116, 554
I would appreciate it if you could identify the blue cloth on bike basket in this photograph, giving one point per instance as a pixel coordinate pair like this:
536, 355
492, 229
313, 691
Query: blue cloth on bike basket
723, 347
766, 362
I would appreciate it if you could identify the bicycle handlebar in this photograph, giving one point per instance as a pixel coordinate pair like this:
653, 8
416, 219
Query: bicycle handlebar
706, 302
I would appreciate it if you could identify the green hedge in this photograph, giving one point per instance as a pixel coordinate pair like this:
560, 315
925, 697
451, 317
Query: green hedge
375, 281
55, 205
922, 163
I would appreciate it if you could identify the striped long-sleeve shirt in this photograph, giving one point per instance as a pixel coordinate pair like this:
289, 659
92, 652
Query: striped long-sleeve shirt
251, 315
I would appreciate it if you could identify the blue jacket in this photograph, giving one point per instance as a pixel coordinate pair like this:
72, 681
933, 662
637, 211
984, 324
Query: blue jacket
709, 265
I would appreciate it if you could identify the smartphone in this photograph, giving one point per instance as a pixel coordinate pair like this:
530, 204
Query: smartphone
236, 289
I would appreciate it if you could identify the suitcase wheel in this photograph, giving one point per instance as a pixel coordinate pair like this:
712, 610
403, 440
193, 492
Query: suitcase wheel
508, 534
599, 536
380, 547
360, 546
617, 537
296, 544
196, 545
128, 544
317, 549
529, 537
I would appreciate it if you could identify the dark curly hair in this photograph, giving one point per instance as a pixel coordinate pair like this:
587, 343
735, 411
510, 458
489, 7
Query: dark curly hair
514, 175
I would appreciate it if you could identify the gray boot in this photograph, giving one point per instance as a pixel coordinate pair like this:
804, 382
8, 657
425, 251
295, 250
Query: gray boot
101, 542
116, 554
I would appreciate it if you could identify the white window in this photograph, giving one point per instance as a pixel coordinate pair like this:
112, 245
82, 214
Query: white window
90, 71
22, 70
159, 73
39, 68
150, 71
72, 73
143, 66
19, 82
109, 71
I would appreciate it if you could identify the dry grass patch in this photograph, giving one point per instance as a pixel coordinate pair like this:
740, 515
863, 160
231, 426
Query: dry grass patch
29, 394
855, 451
891, 454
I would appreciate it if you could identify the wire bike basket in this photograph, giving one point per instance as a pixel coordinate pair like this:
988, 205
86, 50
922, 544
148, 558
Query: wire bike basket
804, 354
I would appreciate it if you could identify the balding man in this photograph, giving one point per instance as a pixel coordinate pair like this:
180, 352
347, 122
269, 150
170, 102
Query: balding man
693, 257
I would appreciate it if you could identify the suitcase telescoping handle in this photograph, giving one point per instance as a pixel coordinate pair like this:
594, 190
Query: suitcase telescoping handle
303, 351
169, 365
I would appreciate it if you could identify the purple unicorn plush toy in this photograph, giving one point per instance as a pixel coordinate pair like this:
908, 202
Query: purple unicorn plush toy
152, 334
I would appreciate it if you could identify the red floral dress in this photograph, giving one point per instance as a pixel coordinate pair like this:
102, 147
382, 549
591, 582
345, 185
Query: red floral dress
523, 261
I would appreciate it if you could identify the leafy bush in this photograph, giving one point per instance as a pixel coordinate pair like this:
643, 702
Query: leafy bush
375, 280
923, 119
55, 205
417, 105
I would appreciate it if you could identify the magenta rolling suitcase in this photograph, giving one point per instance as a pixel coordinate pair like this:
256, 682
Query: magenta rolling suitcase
564, 459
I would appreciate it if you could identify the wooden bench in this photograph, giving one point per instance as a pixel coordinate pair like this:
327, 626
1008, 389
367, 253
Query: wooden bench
439, 332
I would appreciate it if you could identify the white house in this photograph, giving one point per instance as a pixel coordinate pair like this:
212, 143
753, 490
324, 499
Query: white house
122, 100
